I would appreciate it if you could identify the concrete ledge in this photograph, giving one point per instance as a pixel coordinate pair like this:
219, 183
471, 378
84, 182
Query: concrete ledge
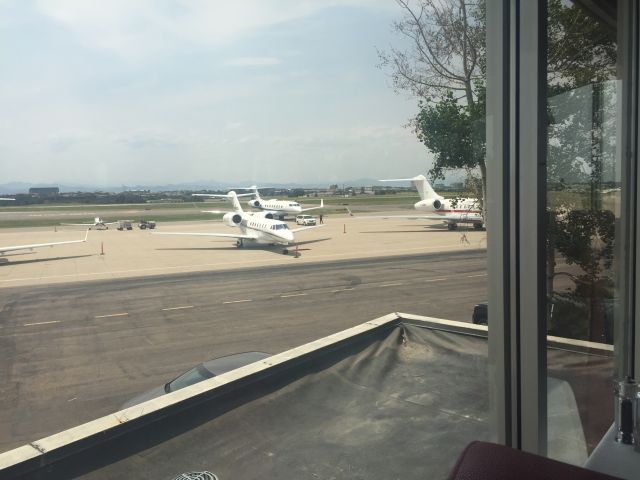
447, 325
18, 455
583, 346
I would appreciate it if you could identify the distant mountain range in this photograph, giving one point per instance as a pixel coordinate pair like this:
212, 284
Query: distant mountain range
23, 187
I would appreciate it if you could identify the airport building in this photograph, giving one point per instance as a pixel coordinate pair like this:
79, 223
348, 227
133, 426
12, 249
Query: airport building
42, 191
551, 376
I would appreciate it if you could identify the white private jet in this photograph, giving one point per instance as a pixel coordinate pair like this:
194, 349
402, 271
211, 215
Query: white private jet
255, 228
463, 210
7, 199
275, 208
3, 250
98, 223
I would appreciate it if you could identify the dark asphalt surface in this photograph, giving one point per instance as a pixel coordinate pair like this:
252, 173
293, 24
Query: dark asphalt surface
72, 352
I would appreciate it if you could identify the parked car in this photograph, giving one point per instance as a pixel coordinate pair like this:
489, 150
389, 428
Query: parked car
201, 372
306, 220
150, 224
480, 314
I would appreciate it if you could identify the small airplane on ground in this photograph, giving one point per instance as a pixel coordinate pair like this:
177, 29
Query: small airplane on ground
274, 207
7, 199
255, 228
463, 210
98, 223
3, 250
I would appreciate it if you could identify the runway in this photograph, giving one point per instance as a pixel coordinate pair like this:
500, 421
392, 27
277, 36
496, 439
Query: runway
75, 351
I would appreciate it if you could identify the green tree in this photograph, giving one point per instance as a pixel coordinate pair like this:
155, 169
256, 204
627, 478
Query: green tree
455, 134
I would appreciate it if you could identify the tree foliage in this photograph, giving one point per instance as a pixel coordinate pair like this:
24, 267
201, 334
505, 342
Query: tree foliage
453, 132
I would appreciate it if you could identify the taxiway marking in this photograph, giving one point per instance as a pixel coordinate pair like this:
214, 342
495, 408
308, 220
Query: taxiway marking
237, 301
41, 323
342, 290
112, 315
478, 275
177, 308
397, 284
292, 295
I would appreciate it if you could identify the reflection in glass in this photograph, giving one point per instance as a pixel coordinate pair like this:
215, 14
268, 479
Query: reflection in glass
583, 198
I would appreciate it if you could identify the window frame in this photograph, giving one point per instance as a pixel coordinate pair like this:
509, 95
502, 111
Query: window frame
516, 209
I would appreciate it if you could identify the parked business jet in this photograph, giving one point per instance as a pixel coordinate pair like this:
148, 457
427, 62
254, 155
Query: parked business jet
463, 210
7, 199
3, 250
98, 224
255, 228
275, 208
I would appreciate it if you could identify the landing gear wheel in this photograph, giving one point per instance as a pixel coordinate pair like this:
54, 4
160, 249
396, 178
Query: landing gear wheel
452, 226
285, 251
478, 226
239, 243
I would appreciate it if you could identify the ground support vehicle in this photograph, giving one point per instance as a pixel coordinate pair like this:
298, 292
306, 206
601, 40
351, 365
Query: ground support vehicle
144, 224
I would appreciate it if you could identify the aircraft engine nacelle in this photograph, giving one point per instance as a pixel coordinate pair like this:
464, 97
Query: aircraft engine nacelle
437, 204
254, 203
232, 219
270, 215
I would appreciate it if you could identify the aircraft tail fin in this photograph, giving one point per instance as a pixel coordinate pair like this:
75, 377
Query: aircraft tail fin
253, 188
233, 196
422, 185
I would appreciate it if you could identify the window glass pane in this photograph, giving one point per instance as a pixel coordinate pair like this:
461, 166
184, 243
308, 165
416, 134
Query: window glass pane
215, 120
583, 210
194, 375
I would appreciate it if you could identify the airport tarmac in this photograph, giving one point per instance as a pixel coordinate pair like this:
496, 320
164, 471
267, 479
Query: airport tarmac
123, 254
75, 351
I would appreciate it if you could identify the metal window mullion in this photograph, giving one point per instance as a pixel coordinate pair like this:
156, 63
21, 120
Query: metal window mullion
514, 133
531, 231
625, 256
632, 162
499, 213
629, 125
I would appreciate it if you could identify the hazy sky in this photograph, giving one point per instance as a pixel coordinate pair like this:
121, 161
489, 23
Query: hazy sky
146, 91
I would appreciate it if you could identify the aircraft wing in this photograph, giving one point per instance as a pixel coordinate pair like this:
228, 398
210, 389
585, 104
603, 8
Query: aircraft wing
315, 208
79, 224
295, 230
38, 245
216, 195
195, 234
450, 217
